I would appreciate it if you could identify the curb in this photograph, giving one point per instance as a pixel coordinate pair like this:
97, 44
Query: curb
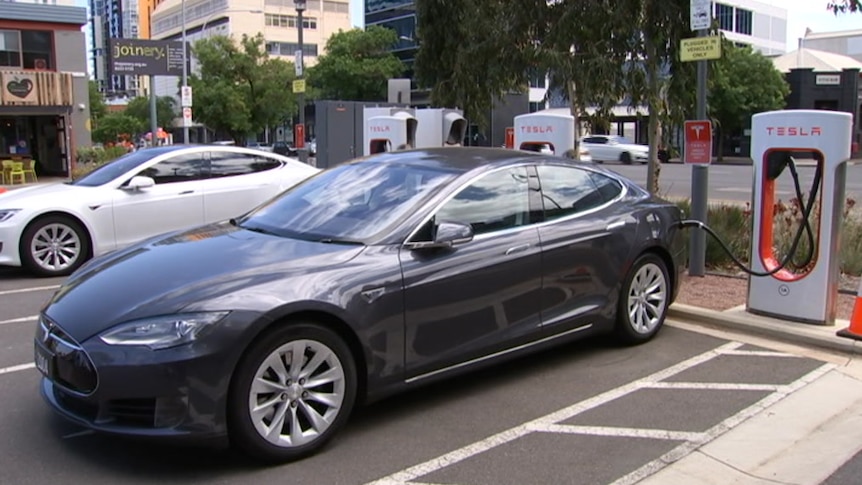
789, 332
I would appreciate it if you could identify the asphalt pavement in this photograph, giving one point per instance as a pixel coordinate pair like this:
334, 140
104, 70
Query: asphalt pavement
584, 413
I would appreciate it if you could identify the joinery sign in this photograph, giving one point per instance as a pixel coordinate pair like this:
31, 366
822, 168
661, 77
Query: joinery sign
145, 57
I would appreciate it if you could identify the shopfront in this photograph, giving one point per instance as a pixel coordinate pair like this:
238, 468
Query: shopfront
34, 119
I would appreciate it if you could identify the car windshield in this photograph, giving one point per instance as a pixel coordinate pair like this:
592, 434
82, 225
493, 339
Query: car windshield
110, 171
349, 203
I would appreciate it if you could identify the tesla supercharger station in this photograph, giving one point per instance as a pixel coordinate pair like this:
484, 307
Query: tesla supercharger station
439, 127
533, 130
823, 138
386, 133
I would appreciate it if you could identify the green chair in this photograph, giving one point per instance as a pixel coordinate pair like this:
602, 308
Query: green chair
16, 169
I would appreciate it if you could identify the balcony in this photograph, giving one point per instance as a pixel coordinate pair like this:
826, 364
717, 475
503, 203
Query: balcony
35, 88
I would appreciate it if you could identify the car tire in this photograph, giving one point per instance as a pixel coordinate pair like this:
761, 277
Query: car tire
55, 245
644, 300
626, 158
286, 392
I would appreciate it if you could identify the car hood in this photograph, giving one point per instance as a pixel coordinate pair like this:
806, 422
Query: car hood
169, 273
45, 194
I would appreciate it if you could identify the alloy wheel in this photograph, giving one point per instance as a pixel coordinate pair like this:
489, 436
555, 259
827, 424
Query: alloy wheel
647, 298
56, 247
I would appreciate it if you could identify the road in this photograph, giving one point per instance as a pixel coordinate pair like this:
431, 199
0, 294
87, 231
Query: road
585, 413
731, 183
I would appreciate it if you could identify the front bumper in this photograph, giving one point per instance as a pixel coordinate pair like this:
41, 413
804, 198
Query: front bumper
10, 235
177, 392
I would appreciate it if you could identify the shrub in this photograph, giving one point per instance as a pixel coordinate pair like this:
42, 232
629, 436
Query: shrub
89, 158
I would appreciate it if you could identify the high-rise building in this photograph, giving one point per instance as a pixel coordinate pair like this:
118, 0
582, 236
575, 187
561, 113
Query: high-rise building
111, 19
400, 16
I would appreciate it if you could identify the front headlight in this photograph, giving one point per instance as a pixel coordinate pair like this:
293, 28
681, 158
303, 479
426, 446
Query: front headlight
5, 214
162, 332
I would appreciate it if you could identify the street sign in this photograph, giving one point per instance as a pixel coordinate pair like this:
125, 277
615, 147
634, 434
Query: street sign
700, 14
299, 136
186, 96
297, 62
187, 116
510, 137
698, 142
700, 49
145, 57
298, 86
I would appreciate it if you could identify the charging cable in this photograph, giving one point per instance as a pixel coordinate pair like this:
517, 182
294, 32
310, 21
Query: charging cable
805, 227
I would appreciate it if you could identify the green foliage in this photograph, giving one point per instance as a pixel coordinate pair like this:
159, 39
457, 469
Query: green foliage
743, 82
356, 65
89, 158
139, 108
112, 125
845, 6
97, 101
240, 89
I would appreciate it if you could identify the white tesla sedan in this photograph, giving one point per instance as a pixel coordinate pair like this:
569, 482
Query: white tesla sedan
52, 229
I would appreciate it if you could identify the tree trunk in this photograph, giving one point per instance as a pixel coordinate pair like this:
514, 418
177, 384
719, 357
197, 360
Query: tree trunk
654, 106
573, 109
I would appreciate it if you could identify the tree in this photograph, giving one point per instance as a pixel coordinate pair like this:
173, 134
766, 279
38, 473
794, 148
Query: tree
139, 108
240, 89
97, 102
113, 125
844, 6
743, 82
356, 65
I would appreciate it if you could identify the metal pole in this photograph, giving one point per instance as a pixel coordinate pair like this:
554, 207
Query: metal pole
185, 68
699, 183
300, 99
154, 122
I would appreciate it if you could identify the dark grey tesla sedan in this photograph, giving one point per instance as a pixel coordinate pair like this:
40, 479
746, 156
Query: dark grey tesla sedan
366, 279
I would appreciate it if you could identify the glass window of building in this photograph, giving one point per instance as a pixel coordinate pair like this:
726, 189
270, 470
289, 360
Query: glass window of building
724, 15
36, 50
10, 48
743, 21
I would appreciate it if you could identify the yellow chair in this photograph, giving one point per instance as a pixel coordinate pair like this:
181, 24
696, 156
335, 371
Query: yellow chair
29, 165
5, 168
16, 169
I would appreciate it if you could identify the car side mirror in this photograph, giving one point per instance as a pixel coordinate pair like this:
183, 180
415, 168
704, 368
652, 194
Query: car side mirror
446, 235
140, 182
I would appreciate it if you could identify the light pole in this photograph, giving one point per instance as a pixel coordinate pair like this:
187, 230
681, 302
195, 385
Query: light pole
185, 71
300, 99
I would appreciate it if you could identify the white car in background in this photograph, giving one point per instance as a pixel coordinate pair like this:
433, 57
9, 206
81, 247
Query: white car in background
583, 152
52, 229
612, 148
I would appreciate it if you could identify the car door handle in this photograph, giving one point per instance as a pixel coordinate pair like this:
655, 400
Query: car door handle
187, 192
517, 249
614, 225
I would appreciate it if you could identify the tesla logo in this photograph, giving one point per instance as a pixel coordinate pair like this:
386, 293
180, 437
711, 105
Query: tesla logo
378, 129
697, 129
794, 131
537, 129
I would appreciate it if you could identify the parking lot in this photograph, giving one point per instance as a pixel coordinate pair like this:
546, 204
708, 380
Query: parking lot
587, 413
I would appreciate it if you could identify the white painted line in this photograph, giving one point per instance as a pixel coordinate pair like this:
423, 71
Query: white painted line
28, 290
761, 353
79, 433
16, 368
442, 461
718, 386
31, 318
657, 434
687, 448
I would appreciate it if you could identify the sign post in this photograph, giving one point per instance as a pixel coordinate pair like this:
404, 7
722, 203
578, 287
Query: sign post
299, 136
186, 103
698, 142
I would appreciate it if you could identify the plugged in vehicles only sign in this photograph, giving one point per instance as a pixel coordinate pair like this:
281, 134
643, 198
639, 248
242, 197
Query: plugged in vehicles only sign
700, 49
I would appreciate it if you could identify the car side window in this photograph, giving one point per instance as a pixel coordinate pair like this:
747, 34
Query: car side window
497, 201
228, 164
607, 187
567, 191
186, 167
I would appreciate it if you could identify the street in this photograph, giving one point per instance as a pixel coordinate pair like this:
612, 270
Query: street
587, 413
730, 183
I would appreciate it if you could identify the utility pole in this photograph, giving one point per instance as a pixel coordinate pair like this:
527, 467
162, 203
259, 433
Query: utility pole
300, 73
185, 74
699, 173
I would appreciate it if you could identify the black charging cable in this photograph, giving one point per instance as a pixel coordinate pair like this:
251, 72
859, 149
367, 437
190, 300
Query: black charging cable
804, 228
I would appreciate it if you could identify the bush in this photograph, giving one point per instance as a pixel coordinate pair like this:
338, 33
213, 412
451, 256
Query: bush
733, 224
90, 158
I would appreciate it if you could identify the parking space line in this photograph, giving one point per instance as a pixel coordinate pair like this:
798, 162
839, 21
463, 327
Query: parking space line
688, 447
657, 434
409, 474
28, 290
718, 386
31, 318
762, 353
16, 368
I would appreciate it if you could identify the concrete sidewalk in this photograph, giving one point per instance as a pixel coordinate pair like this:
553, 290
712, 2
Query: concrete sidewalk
802, 439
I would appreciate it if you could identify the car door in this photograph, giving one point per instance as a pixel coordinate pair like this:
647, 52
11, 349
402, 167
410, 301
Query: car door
174, 202
237, 182
597, 149
583, 244
476, 297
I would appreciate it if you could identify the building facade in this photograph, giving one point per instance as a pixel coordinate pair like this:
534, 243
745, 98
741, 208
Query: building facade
400, 16
111, 19
44, 97
846, 42
275, 19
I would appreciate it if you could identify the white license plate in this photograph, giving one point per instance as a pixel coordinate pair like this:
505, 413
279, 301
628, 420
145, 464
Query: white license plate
43, 359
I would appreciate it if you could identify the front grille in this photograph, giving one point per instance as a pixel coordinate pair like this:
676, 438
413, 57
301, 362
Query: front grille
75, 405
72, 367
132, 412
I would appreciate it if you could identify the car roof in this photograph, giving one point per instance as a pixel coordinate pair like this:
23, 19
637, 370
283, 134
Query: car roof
456, 159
